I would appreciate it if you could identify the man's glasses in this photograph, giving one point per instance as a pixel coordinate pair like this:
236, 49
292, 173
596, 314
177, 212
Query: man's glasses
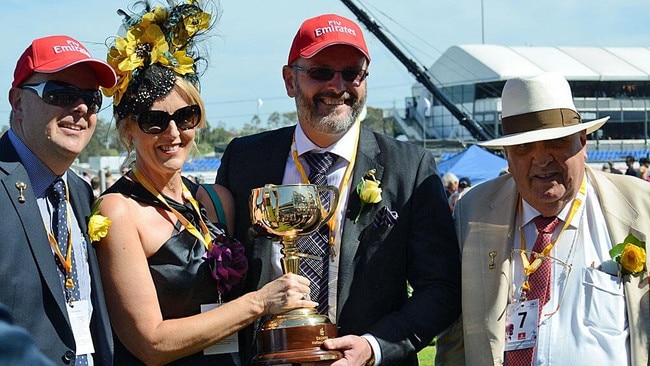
155, 122
64, 95
349, 74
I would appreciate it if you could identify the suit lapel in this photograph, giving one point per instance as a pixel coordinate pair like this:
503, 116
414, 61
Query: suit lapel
276, 158
78, 204
486, 268
37, 239
366, 159
275, 154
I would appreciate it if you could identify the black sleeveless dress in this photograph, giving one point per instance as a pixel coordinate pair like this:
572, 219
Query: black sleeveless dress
180, 274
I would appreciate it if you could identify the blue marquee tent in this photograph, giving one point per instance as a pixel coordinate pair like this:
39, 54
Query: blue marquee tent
474, 163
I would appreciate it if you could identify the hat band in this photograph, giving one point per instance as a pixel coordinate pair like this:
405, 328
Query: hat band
551, 118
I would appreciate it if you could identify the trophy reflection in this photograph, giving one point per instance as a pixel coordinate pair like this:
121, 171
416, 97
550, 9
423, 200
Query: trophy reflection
289, 211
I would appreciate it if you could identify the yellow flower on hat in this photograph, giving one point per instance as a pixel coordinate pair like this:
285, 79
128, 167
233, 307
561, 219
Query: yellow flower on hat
196, 22
156, 15
180, 62
144, 44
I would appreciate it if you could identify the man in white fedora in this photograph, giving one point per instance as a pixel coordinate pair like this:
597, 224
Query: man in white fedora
570, 304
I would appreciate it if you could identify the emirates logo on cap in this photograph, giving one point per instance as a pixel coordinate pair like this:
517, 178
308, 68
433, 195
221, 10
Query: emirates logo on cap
334, 26
70, 46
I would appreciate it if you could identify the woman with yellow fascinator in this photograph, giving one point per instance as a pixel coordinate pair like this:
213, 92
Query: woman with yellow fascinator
170, 271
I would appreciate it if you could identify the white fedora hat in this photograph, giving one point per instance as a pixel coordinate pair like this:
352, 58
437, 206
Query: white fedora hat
537, 109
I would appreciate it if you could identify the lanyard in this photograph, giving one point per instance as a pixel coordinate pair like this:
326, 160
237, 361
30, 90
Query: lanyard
54, 245
332, 223
530, 268
205, 239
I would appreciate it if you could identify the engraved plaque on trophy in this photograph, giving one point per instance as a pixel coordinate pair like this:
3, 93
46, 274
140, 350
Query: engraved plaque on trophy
289, 211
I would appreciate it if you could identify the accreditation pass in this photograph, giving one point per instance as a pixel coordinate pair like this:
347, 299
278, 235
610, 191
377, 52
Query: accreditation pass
522, 319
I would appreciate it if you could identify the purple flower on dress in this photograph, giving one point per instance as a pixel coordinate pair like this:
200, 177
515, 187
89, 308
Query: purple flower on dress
228, 262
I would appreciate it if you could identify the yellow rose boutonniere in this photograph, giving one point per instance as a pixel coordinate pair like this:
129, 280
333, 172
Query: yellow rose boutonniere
630, 255
97, 224
368, 191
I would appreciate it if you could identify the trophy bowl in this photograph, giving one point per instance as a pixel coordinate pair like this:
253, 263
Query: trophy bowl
287, 212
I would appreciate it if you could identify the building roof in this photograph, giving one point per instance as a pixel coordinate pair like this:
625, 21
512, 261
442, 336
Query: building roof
470, 64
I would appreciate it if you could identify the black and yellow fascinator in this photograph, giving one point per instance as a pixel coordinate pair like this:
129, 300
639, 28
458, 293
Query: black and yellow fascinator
158, 45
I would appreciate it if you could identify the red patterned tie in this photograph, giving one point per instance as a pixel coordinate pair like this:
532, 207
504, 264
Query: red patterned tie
540, 284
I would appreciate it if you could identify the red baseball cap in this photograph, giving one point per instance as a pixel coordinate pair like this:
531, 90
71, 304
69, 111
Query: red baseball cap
323, 31
52, 54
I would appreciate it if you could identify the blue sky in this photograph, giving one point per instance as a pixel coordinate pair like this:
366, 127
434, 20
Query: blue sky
251, 40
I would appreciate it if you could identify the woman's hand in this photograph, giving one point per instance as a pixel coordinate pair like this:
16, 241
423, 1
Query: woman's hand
285, 293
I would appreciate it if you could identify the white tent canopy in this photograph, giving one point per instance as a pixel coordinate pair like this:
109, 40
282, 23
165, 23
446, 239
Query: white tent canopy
470, 64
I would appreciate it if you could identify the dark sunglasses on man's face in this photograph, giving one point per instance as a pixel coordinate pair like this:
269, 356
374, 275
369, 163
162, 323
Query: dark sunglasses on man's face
349, 74
154, 122
65, 95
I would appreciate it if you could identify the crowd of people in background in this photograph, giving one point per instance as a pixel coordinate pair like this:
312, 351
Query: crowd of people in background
633, 168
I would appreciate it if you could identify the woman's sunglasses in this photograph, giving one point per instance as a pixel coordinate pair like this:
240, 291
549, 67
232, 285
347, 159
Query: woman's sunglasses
155, 122
350, 74
64, 95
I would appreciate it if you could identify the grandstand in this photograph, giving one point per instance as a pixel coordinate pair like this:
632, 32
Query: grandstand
606, 81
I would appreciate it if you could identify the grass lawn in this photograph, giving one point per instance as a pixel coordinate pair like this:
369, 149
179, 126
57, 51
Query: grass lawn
427, 355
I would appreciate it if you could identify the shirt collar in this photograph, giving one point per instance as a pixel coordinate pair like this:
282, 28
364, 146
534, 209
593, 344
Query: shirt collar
40, 176
344, 147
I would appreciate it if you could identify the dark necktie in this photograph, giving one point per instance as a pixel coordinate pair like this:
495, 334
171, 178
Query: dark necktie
317, 243
62, 235
540, 284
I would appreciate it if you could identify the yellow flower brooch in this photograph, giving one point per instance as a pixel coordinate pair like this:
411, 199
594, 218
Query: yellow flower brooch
630, 255
97, 224
368, 191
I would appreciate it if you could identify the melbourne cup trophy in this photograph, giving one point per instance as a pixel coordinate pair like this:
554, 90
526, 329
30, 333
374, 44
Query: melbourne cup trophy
289, 211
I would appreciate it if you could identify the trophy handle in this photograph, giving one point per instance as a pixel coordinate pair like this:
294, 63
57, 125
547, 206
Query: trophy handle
335, 201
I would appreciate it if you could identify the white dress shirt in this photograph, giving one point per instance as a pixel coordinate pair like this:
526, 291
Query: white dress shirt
590, 327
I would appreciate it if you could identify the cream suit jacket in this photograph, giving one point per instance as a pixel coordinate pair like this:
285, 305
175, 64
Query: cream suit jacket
484, 222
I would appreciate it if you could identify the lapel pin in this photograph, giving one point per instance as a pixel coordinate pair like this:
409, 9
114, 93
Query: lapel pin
21, 187
492, 255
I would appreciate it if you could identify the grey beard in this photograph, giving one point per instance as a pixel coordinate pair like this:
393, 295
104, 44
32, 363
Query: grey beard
328, 124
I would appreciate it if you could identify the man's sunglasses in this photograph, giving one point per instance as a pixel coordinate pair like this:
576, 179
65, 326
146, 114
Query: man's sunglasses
155, 122
64, 95
349, 74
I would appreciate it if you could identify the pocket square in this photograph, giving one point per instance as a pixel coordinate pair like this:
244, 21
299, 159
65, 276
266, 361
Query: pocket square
385, 217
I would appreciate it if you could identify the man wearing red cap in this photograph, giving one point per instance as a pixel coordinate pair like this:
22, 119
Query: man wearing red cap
392, 226
50, 278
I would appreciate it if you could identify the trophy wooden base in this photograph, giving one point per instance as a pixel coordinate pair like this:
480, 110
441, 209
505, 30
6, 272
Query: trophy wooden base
296, 336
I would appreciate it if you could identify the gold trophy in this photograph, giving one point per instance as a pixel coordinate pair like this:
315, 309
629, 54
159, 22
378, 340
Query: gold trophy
289, 211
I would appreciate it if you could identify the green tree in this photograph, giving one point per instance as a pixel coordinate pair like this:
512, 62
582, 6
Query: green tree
103, 143
213, 139
254, 126
274, 121
375, 121
290, 118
